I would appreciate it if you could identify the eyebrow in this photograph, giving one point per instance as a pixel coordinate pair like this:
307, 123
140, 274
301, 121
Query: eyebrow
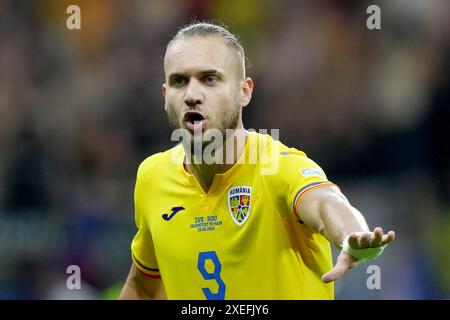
212, 72
203, 73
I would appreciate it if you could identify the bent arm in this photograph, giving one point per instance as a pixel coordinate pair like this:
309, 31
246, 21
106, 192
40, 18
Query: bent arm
140, 287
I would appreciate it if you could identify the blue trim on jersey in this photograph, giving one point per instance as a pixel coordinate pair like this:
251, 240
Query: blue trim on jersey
302, 189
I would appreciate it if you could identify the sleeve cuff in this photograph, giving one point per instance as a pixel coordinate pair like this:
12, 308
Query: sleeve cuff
147, 271
311, 186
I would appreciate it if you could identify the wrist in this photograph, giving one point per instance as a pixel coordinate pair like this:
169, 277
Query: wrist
362, 255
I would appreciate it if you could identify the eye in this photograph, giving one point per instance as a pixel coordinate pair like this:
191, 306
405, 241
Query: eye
178, 81
210, 80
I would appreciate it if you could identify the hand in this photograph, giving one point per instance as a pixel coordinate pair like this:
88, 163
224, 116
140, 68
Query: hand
357, 240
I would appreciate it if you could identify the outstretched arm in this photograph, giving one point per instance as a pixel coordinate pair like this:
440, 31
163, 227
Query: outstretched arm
327, 211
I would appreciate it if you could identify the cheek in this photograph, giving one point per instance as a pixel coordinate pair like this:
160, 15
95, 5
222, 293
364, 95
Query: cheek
223, 104
172, 101
172, 107
230, 99
170, 97
230, 105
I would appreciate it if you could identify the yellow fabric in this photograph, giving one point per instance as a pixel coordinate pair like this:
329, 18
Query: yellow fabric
202, 252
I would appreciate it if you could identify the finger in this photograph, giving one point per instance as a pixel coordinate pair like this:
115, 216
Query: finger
378, 236
353, 240
343, 263
364, 240
388, 238
335, 273
378, 231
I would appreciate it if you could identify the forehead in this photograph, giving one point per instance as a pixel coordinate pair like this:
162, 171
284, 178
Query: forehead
196, 54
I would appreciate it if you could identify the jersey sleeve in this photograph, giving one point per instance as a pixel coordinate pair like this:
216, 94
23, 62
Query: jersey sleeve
142, 249
296, 175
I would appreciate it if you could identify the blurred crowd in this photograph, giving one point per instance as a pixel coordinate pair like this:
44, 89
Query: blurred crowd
80, 109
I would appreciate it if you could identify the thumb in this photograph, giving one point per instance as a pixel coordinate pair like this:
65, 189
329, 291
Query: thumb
335, 273
343, 263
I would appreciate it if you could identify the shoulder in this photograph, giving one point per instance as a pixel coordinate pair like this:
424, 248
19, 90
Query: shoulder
292, 157
267, 145
160, 162
274, 152
284, 165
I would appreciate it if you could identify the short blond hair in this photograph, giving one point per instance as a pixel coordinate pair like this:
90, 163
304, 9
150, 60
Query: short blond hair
207, 29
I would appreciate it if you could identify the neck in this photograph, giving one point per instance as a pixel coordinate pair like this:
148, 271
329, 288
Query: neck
205, 172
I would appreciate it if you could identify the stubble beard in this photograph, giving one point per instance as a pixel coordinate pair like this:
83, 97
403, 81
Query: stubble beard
226, 121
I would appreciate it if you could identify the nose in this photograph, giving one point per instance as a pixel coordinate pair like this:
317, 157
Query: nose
193, 95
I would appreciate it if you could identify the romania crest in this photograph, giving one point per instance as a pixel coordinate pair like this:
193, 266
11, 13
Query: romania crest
239, 201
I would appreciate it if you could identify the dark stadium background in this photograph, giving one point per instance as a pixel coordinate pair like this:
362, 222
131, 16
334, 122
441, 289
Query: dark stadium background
79, 110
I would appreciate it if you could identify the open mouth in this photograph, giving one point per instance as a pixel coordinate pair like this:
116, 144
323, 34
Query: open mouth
193, 117
194, 120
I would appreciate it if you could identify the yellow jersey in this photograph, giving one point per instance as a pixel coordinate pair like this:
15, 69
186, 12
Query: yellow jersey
241, 239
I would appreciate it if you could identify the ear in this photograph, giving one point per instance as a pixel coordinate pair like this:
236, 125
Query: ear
164, 92
246, 91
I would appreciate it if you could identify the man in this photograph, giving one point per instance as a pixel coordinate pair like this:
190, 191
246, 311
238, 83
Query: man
224, 229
